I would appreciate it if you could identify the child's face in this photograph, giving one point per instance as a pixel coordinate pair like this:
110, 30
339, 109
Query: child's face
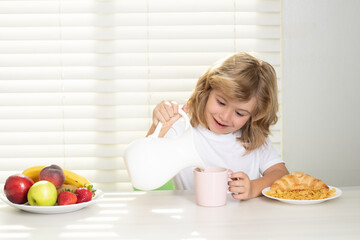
223, 116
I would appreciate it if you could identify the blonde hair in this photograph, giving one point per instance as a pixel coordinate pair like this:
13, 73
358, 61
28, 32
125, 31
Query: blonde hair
240, 77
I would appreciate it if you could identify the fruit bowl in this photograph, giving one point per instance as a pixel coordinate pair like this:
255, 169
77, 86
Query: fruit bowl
53, 209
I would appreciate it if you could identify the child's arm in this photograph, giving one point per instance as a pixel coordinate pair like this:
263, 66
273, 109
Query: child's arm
243, 188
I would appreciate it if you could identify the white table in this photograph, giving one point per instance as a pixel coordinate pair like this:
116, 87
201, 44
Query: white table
174, 215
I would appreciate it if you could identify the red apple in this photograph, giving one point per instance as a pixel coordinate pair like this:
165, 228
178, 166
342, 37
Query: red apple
16, 188
54, 174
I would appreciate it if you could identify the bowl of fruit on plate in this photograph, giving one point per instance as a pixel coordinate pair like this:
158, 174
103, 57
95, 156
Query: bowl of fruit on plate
49, 189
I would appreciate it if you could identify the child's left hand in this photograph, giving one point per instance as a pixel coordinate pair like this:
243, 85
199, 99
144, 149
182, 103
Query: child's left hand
240, 186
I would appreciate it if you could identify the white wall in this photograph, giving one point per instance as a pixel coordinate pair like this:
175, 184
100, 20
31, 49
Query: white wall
321, 89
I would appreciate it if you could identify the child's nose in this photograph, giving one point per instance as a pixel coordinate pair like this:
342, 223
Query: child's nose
226, 115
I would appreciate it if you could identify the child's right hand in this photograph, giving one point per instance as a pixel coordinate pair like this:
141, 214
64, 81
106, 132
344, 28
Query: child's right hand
166, 112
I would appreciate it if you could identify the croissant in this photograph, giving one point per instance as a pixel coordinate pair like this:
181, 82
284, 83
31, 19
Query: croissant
298, 181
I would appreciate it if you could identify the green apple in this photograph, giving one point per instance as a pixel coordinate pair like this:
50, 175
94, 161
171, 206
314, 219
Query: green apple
42, 193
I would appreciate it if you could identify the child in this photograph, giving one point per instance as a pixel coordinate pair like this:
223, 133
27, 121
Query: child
231, 109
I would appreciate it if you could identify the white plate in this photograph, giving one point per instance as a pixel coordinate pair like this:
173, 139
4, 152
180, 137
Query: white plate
337, 194
53, 209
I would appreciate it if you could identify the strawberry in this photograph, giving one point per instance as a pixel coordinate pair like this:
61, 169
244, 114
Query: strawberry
84, 194
66, 198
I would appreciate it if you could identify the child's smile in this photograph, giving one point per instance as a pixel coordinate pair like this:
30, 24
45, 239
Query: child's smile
219, 124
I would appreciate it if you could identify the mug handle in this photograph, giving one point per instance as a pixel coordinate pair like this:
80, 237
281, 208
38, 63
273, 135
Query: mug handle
159, 125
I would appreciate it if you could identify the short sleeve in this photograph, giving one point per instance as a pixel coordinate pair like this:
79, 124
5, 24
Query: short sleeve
268, 156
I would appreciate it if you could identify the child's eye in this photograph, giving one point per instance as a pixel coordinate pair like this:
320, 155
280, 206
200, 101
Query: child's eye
239, 114
221, 103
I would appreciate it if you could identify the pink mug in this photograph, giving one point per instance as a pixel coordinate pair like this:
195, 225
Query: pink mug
211, 186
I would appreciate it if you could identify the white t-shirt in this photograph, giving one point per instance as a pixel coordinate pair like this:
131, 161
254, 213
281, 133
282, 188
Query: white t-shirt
225, 151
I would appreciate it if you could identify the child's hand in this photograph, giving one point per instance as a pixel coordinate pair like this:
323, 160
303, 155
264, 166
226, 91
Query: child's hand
166, 111
240, 186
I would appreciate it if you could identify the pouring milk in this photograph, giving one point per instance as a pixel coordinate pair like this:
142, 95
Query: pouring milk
152, 161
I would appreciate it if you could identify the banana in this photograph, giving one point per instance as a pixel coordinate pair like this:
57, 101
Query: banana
33, 172
71, 178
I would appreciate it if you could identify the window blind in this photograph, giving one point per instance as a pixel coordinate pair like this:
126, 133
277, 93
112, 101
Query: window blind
79, 78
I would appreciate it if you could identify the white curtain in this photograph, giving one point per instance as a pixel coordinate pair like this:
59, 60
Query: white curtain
79, 78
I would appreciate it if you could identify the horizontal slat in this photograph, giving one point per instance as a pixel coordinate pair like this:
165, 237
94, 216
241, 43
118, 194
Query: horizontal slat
100, 60
126, 6
141, 32
151, 86
51, 112
179, 98
214, 5
74, 6
38, 73
47, 151
107, 176
140, 19
83, 85
123, 59
98, 99
51, 125
48, 99
99, 86
101, 163
51, 138
71, 163
105, 73
138, 46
